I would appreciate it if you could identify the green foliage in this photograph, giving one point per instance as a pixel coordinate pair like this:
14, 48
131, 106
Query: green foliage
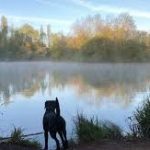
91, 129
4, 26
28, 31
98, 49
17, 139
59, 46
16, 135
140, 122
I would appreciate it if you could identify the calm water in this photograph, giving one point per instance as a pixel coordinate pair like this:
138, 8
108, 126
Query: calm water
109, 91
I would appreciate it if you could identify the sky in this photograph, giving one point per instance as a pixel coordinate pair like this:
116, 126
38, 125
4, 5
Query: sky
61, 14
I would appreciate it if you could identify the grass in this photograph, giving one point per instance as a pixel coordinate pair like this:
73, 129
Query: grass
140, 121
91, 129
17, 139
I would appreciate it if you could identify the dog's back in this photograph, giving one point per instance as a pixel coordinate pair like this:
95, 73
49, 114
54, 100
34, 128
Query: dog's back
51, 121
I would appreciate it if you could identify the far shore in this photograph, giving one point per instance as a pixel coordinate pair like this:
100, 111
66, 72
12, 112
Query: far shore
72, 61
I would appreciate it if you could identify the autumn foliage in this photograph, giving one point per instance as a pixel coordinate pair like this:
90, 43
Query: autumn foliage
93, 38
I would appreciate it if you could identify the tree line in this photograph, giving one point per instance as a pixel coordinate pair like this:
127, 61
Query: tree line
90, 39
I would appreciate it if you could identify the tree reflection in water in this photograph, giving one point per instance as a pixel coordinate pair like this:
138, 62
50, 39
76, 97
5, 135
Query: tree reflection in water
93, 81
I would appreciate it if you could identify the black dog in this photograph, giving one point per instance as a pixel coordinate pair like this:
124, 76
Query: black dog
54, 123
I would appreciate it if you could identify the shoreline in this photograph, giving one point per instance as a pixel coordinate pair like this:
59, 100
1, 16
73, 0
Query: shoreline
70, 60
138, 144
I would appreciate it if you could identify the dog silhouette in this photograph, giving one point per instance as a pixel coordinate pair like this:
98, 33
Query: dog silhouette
54, 123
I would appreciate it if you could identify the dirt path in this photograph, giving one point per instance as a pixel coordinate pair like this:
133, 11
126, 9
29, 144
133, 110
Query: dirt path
115, 145
13, 147
101, 145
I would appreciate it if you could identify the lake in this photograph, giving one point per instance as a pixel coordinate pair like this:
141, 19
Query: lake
109, 91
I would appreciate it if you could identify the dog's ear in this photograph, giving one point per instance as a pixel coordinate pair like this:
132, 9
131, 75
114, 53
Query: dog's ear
45, 104
57, 107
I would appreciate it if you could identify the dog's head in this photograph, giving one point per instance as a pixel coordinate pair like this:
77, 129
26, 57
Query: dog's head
52, 105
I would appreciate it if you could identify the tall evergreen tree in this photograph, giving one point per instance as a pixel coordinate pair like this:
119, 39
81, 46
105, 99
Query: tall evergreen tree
42, 36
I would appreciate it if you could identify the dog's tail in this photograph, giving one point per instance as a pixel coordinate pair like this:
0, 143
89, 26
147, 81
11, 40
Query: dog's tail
57, 107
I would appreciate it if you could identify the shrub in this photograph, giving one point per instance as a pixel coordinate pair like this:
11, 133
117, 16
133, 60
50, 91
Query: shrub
17, 139
92, 130
140, 122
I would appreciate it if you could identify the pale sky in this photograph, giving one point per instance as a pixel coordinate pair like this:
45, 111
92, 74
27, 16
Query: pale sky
60, 14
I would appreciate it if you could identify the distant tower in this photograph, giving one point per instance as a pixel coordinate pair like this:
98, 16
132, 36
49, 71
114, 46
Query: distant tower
48, 35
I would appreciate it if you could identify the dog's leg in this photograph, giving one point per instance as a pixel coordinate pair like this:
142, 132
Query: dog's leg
46, 140
53, 135
65, 136
62, 139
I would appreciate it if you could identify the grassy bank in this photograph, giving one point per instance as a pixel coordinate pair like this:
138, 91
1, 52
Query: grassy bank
17, 140
88, 130
92, 129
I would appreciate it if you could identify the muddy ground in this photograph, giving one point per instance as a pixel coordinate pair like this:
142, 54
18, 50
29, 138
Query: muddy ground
115, 145
99, 145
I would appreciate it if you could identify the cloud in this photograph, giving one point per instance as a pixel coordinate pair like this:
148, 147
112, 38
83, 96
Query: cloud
57, 25
37, 20
111, 9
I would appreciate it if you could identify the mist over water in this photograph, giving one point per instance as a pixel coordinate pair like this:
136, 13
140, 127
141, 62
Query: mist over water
108, 91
